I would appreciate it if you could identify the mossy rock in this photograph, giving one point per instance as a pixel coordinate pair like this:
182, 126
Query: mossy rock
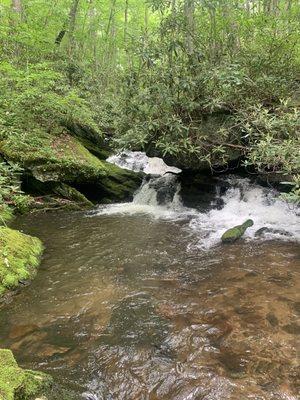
71, 193
233, 234
90, 139
17, 383
64, 159
19, 258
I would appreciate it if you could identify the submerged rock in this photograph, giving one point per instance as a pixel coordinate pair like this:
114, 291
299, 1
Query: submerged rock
19, 258
166, 187
17, 383
292, 329
233, 234
265, 230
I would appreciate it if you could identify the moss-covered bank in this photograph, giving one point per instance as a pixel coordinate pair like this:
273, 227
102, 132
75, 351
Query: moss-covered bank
17, 383
19, 258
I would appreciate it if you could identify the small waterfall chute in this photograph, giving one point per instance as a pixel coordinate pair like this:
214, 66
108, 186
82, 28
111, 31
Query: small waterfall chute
159, 192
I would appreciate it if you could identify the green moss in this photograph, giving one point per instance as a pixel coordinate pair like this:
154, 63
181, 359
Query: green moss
23, 273
233, 234
34, 383
70, 193
19, 257
10, 280
35, 147
19, 384
120, 183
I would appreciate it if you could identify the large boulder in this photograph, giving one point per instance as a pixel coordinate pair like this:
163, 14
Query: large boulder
233, 234
17, 383
19, 258
64, 159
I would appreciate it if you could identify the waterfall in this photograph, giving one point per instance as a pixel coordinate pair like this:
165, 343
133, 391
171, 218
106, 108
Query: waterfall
159, 196
159, 192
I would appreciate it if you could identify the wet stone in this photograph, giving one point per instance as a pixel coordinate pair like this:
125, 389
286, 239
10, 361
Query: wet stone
243, 310
281, 280
51, 350
293, 329
21, 330
135, 322
272, 319
296, 307
251, 274
234, 362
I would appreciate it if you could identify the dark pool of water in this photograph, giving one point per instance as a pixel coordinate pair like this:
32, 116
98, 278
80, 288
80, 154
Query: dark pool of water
124, 309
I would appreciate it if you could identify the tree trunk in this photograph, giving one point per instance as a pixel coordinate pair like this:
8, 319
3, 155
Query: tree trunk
126, 20
16, 6
111, 16
189, 10
69, 23
72, 19
110, 48
267, 6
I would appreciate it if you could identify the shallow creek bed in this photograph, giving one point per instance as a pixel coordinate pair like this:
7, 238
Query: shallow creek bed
131, 306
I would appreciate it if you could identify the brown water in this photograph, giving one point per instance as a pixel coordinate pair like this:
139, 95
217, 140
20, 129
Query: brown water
123, 309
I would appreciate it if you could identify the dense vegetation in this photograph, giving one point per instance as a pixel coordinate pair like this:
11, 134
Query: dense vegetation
201, 82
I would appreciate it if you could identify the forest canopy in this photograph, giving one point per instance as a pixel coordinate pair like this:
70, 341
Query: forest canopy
196, 81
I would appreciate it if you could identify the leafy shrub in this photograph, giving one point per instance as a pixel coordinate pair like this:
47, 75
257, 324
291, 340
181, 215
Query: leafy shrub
10, 188
40, 98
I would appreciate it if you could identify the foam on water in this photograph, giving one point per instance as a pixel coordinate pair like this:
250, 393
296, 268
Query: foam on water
244, 200
146, 201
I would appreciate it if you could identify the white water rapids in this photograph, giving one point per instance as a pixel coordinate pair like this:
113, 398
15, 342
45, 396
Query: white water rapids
159, 196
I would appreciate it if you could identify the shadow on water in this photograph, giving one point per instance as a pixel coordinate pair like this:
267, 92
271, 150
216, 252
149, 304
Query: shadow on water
124, 308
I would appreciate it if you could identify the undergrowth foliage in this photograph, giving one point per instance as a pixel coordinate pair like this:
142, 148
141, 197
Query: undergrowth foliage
11, 194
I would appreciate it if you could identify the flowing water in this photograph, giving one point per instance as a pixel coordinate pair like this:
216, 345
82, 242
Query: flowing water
140, 300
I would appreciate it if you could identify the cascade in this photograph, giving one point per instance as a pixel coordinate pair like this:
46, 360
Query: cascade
159, 196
